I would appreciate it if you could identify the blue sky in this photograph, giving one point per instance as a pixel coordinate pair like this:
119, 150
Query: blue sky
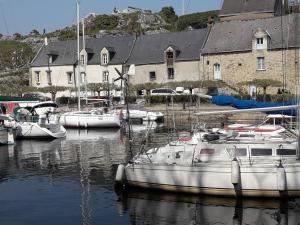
22, 16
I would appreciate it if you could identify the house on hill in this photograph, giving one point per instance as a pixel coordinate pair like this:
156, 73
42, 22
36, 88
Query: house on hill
250, 9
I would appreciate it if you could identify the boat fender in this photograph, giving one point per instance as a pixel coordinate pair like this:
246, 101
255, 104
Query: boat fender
235, 171
281, 178
120, 175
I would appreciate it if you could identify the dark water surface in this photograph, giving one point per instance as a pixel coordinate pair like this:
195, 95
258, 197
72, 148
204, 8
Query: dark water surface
71, 181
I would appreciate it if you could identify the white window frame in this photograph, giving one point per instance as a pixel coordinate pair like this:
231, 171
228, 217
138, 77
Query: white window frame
37, 76
82, 60
261, 65
104, 58
152, 73
82, 78
259, 43
70, 77
105, 76
49, 78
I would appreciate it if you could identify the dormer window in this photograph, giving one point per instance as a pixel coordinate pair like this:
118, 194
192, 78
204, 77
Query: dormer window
37, 77
259, 43
170, 58
82, 60
104, 58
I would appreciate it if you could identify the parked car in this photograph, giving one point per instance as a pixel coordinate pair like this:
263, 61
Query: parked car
181, 90
36, 96
163, 92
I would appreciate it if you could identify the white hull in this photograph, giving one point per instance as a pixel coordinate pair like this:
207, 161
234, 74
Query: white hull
229, 168
89, 120
212, 179
145, 115
35, 130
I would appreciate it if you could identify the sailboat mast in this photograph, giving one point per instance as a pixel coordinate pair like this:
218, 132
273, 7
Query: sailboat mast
78, 57
84, 61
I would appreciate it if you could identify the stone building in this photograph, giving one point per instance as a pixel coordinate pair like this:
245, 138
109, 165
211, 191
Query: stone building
251, 9
238, 51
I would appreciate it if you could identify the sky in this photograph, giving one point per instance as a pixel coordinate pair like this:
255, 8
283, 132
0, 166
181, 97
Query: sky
22, 16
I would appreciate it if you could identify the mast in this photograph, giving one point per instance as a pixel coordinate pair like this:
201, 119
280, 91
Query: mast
78, 56
85, 60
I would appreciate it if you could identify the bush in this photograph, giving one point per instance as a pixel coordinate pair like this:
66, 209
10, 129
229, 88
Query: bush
66, 100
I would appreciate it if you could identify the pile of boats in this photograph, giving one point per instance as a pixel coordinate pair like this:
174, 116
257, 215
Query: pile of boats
237, 160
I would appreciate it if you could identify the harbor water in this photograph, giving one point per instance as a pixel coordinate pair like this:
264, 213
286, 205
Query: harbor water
71, 181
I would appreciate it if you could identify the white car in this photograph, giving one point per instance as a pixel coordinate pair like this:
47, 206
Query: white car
163, 92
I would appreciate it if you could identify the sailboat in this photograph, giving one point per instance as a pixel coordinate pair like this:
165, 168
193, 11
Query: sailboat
222, 165
87, 119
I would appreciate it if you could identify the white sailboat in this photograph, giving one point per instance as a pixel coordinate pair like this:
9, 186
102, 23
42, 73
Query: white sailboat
38, 122
221, 166
87, 119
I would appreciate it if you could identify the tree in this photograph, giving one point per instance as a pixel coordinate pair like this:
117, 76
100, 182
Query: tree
168, 14
34, 32
263, 83
95, 87
53, 90
17, 36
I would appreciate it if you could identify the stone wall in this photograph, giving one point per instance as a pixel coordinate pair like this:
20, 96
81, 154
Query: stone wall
239, 67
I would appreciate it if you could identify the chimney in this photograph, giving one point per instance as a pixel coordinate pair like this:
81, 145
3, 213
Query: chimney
46, 41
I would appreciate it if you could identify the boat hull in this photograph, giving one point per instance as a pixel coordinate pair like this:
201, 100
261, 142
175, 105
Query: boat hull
90, 121
255, 181
29, 130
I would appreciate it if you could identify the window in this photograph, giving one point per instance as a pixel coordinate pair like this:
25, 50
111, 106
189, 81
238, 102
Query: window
83, 78
241, 152
283, 151
170, 58
261, 63
105, 76
37, 76
207, 62
152, 75
50, 59
82, 62
261, 151
49, 76
170, 73
70, 77
259, 43
104, 59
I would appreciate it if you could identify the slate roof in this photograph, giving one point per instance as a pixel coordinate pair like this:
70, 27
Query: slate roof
67, 51
236, 36
149, 49
232, 7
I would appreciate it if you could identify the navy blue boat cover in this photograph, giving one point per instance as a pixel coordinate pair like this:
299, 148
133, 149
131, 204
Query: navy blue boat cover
250, 104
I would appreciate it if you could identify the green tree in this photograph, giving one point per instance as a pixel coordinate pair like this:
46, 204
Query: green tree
196, 20
168, 14
264, 84
52, 90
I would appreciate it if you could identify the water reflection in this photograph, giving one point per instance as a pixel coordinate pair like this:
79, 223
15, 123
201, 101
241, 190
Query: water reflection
71, 181
165, 208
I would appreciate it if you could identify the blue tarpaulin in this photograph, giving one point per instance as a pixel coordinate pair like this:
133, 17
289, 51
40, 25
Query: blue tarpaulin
223, 100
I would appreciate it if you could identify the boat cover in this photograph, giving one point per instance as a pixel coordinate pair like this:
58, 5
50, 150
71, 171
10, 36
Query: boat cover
224, 100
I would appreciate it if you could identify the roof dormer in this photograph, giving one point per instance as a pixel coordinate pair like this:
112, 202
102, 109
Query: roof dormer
260, 39
170, 53
106, 55
52, 56
86, 55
